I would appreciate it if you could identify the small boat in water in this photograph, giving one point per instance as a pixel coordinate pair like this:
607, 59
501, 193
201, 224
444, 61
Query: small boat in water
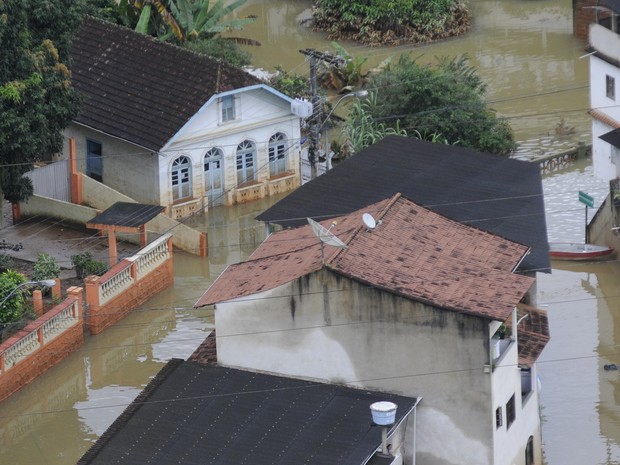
575, 251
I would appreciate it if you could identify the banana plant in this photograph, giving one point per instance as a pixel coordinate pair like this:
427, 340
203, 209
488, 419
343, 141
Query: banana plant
200, 19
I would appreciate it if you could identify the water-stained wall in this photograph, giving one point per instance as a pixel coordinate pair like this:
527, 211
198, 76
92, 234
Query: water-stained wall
324, 326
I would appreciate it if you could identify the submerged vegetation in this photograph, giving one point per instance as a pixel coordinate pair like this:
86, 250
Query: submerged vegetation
391, 22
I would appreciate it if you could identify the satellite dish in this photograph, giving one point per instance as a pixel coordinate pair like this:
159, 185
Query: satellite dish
369, 221
325, 235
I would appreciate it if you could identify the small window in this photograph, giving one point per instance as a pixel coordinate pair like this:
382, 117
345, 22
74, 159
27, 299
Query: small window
181, 178
610, 85
498, 417
228, 108
510, 411
245, 163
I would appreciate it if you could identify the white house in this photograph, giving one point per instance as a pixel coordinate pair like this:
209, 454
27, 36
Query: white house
414, 304
604, 52
166, 126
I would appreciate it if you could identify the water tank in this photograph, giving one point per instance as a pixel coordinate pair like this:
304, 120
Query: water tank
301, 108
383, 413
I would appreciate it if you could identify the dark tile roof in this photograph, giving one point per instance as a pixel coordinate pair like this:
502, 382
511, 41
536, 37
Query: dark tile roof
140, 89
207, 351
413, 252
202, 414
497, 194
126, 214
532, 333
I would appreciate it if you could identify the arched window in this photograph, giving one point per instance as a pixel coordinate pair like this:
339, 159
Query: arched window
529, 451
213, 176
245, 162
181, 178
277, 154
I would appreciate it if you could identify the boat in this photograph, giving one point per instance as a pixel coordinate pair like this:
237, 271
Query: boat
576, 251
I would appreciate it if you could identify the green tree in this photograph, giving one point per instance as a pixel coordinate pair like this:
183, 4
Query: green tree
13, 308
37, 100
446, 100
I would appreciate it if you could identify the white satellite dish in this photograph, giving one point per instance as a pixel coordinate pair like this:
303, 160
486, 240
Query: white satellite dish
325, 235
369, 221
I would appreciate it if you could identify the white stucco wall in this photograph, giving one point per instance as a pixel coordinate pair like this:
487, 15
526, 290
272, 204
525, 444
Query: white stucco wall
329, 328
607, 44
260, 115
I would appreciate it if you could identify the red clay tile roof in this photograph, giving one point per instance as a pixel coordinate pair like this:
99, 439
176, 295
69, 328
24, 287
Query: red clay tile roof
532, 333
412, 252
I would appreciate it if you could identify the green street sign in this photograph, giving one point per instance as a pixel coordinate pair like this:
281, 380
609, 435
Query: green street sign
586, 199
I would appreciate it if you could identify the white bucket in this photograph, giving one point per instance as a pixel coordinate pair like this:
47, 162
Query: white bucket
383, 413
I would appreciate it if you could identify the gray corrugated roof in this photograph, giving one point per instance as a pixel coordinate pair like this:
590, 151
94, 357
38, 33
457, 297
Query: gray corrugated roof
141, 89
496, 194
201, 414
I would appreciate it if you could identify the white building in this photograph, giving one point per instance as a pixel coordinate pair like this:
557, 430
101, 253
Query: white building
416, 305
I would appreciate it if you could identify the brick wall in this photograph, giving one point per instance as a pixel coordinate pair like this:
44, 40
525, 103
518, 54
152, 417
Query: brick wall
48, 354
101, 317
583, 15
41, 360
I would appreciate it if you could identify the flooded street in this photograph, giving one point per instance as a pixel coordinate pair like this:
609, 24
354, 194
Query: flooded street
526, 54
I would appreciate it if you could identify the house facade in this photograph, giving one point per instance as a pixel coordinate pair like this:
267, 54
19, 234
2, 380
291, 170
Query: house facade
417, 306
166, 126
604, 49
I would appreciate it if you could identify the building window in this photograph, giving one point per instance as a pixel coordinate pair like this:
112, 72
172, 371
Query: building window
610, 85
510, 411
94, 160
181, 178
213, 176
245, 162
277, 154
529, 451
228, 108
498, 417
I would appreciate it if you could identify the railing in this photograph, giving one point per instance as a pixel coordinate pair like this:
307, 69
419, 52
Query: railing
38, 333
115, 281
151, 256
562, 160
126, 273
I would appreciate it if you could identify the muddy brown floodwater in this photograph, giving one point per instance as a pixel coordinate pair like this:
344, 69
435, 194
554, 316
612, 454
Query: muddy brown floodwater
526, 54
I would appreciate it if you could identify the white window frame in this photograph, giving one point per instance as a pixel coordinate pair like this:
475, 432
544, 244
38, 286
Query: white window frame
227, 108
246, 162
278, 148
181, 178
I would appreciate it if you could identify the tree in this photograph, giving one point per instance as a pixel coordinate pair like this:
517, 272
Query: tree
37, 100
445, 101
13, 308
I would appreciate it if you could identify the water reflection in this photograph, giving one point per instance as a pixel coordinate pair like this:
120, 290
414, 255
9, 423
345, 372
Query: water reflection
579, 397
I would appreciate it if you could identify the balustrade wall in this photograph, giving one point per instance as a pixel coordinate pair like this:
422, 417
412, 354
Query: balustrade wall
128, 284
41, 344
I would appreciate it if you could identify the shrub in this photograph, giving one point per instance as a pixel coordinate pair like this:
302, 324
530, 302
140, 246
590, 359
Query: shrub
6, 262
84, 265
45, 268
13, 308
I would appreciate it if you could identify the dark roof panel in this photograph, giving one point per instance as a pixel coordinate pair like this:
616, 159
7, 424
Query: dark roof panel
127, 214
500, 195
139, 88
197, 414
612, 137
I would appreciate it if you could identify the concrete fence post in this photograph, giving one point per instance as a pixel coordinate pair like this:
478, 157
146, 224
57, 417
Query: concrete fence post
56, 289
76, 292
37, 302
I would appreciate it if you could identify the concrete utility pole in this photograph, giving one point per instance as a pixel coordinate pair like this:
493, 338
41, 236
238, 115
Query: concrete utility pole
313, 58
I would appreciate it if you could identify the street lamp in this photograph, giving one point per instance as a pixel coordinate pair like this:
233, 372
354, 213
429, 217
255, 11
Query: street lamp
316, 128
44, 282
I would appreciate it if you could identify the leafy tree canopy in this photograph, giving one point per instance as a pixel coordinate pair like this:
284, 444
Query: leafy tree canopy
446, 101
37, 100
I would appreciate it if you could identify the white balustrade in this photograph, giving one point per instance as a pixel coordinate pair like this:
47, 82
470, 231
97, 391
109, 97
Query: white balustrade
62, 320
151, 256
115, 285
20, 350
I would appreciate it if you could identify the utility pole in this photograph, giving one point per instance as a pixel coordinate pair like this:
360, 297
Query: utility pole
313, 58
